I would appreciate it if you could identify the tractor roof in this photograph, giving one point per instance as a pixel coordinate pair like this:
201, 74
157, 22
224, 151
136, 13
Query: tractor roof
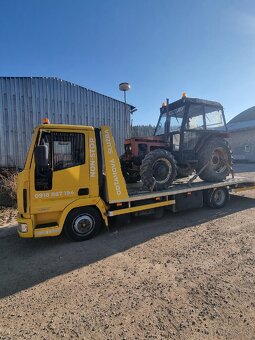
183, 101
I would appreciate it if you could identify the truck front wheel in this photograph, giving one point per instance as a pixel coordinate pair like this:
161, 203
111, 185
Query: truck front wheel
82, 224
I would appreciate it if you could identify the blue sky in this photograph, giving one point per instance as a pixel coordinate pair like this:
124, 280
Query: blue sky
161, 47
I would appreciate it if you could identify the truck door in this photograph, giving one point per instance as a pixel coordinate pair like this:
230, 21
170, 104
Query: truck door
66, 177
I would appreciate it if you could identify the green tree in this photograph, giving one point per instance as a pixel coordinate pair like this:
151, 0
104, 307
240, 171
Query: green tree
142, 130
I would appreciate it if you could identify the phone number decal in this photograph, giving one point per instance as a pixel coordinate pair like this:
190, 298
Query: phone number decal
54, 194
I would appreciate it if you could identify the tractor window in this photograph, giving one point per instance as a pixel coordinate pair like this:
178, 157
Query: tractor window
176, 117
176, 142
214, 118
160, 129
175, 123
195, 119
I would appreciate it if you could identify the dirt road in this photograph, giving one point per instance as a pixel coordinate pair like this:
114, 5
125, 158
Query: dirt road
186, 276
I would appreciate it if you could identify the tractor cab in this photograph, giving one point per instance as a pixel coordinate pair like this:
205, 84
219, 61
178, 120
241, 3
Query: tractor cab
186, 124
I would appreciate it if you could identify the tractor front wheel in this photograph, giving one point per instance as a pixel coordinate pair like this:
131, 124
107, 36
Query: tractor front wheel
158, 170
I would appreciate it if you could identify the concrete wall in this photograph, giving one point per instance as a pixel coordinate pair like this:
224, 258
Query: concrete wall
243, 145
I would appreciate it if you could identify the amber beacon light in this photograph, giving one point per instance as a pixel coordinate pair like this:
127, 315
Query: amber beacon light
46, 121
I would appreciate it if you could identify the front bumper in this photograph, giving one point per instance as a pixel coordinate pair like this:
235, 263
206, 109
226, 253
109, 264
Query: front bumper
26, 229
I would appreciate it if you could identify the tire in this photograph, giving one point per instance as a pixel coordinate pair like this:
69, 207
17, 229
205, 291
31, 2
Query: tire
82, 224
216, 198
217, 154
184, 171
158, 170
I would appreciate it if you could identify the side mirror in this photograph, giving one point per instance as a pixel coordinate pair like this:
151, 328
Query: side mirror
41, 156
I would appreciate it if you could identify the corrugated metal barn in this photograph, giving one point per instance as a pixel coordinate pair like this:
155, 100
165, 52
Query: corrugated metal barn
242, 135
25, 101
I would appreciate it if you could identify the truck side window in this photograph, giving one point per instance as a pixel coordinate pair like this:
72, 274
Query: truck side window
68, 150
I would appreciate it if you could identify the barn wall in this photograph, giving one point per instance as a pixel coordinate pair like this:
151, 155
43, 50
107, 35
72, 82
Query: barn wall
243, 145
24, 102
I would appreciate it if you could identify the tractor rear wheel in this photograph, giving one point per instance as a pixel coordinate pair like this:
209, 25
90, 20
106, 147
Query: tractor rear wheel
158, 170
216, 158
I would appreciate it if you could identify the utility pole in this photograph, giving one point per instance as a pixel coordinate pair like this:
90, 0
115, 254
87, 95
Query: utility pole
126, 87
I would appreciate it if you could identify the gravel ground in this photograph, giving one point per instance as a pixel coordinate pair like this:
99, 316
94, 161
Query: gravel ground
188, 275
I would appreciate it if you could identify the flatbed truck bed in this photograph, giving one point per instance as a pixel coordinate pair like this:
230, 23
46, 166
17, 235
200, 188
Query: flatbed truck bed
234, 184
179, 190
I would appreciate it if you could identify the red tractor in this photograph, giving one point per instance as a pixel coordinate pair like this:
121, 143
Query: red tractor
190, 136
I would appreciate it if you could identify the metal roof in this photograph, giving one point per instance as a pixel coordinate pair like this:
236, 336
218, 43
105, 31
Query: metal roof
246, 125
183, 101
68, 82
247, 115
243, 121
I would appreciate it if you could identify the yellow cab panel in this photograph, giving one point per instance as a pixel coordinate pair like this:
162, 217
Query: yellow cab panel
69, 175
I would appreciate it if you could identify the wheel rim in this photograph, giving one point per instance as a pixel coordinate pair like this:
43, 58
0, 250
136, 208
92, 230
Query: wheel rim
162, 170
219, 160
219, 197
83, 224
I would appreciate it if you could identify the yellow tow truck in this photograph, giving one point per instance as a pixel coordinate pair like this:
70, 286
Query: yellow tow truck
72, 182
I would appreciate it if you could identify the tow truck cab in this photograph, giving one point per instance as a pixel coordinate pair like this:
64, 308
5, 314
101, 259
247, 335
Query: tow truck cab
63, 171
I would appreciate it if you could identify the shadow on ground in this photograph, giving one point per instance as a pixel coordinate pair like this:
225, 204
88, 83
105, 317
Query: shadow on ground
28, 262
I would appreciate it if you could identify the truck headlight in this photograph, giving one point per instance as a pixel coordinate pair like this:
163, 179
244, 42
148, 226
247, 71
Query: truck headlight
22, 227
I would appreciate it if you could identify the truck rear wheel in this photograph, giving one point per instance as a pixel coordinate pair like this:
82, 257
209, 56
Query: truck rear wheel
82, 224
217, 160
216, 198
158, 170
